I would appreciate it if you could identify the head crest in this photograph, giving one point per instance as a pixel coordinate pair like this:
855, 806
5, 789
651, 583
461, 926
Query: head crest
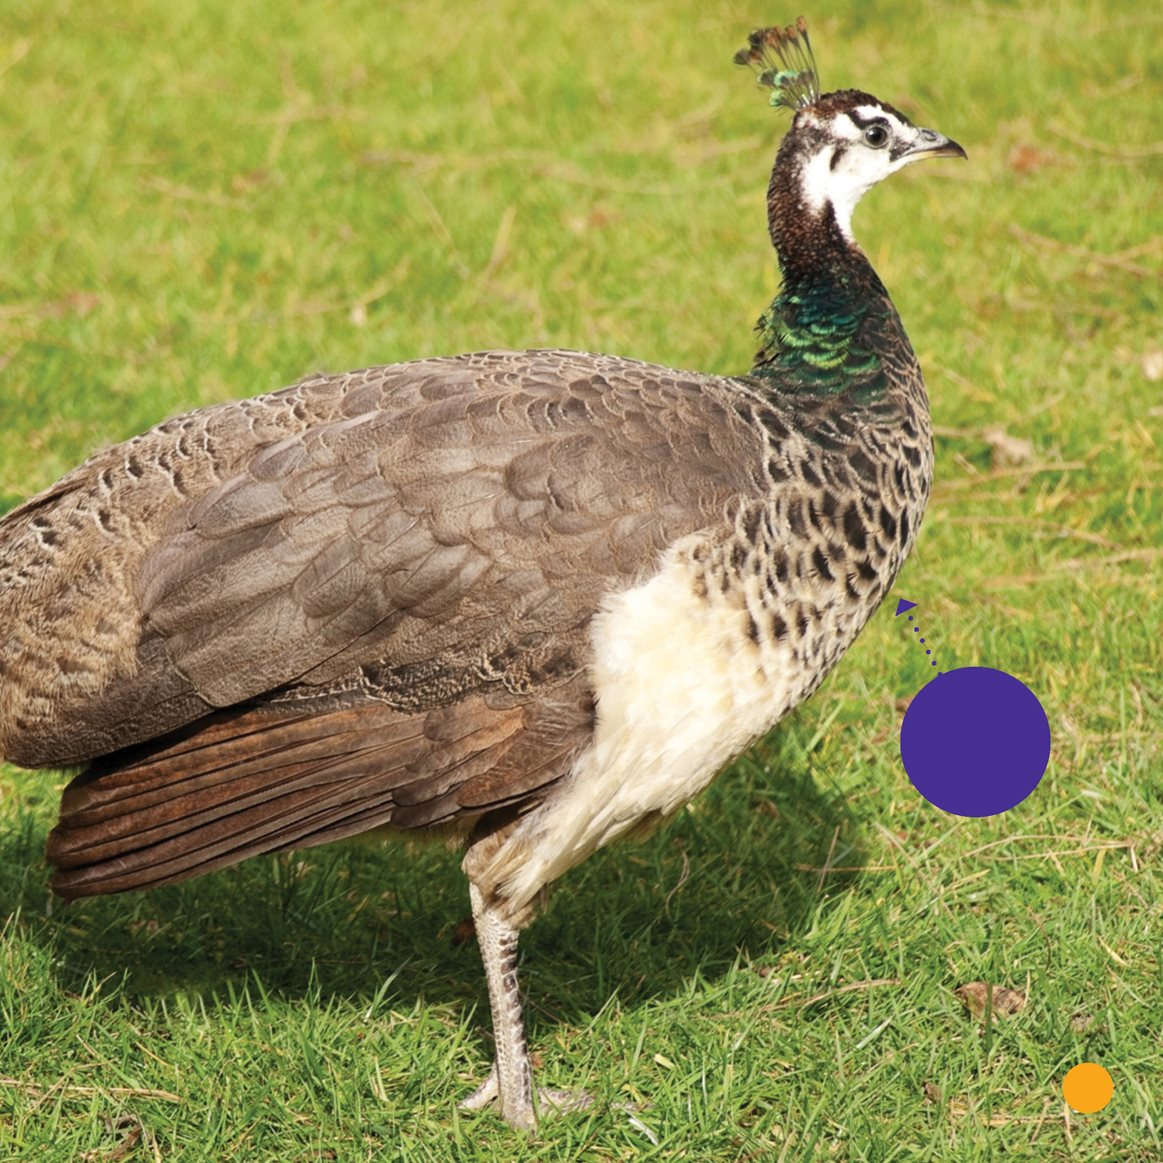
782, 61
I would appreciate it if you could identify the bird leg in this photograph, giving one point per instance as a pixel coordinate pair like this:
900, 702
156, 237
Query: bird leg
510, 1081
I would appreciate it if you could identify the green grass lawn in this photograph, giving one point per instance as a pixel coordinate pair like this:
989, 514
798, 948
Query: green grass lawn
205, 201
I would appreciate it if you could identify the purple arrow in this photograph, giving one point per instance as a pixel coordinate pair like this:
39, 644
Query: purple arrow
904, 606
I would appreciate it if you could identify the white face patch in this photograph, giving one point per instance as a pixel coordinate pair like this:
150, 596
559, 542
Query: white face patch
849, 165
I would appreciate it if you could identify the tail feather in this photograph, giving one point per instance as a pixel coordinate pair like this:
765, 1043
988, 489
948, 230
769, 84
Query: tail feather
244, 782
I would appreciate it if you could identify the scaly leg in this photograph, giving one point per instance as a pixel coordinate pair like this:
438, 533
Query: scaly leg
510, 1082
511, 1079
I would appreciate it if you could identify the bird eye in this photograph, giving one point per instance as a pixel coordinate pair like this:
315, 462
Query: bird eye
876, 136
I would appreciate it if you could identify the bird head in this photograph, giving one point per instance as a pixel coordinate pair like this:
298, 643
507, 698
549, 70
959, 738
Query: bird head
842, 143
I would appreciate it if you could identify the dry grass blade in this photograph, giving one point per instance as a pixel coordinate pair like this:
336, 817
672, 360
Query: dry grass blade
1119, 262
69, 1091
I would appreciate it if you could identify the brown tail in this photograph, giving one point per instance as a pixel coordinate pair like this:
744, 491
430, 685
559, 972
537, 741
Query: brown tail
246, 781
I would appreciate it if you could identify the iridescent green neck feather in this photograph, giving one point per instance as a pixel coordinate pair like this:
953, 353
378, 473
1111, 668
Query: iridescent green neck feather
813, 341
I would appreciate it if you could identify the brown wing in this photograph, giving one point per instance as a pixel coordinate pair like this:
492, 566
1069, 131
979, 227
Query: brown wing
247, 781
450, 525
394, 600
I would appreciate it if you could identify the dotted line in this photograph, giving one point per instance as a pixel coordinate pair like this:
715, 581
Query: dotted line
917, 630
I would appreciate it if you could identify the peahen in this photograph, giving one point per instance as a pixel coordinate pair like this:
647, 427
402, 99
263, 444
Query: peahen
531, 601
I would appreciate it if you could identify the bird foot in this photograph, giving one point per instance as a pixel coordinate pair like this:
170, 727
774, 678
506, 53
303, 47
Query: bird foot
550, 1101
487, 1092
562, 1102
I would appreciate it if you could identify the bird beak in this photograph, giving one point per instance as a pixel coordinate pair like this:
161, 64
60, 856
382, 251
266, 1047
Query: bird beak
930, 143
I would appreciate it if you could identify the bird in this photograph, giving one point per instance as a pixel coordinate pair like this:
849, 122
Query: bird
524, 602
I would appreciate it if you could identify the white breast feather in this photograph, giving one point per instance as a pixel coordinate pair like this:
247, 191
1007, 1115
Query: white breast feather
681, 689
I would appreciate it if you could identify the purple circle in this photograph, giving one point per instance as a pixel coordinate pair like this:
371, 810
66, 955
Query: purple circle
975, 741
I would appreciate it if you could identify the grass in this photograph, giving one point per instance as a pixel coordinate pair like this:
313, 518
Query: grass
201, 202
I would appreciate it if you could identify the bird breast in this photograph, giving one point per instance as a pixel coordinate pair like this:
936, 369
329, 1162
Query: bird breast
681, 688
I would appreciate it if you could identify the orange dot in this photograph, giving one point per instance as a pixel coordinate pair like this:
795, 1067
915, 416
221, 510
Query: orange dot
1087, 1087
